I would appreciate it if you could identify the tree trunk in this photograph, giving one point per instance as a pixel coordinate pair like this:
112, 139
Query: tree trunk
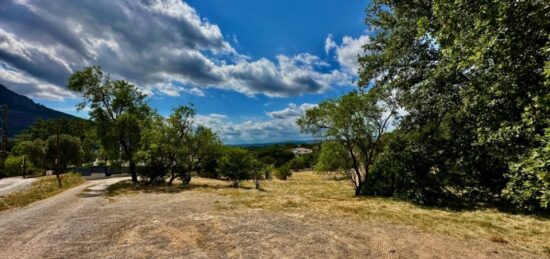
133, 171
172, 178
359, 188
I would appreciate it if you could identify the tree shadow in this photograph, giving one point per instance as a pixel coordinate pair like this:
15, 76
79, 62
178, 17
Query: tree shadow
127, 187
465, 206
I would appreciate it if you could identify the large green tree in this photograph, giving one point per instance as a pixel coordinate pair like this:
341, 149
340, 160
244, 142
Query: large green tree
118, 109
468, 73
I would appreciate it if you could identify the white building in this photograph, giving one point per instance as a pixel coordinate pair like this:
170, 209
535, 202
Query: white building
301, 151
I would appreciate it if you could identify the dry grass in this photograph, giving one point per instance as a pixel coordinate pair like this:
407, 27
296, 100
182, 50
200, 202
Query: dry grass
40, 189
307, 192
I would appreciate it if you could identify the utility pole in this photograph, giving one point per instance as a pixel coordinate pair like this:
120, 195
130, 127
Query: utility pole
58, 159
4, 144
4, 129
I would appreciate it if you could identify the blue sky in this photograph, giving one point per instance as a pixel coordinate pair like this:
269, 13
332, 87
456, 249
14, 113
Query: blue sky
250, 67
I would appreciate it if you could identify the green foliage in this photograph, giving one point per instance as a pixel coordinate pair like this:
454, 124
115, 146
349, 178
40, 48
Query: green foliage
174, 146
276, 155
42, 129
13, 165
356, 121
283, 172
469, 75
70, 151
260, 173
529, 180
402, 170
268, 160
34, 151
118, 110
237, 165
332, 157
302, 162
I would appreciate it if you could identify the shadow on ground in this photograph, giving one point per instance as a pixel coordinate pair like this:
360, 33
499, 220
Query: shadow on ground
127, 187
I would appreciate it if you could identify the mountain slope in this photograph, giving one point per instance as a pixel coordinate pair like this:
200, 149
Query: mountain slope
22, 111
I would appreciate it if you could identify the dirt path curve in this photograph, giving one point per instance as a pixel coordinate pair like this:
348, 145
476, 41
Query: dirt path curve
82, 223
27, 232
13, 184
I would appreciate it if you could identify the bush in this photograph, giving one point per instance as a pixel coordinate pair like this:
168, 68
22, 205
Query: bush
236, 165
301, 162
13, 165
283, 172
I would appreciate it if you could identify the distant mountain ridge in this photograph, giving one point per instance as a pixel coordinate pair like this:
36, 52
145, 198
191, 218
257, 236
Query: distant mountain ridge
22, 111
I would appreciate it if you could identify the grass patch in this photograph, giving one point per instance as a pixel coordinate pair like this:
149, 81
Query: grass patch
307, 192
40, 189
312, 193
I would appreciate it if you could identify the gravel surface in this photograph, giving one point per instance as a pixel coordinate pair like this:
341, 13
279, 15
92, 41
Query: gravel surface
83, 223
14, 184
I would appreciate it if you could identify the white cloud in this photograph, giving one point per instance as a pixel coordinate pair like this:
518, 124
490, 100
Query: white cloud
292, 111
348, 51
151, 43
279, 127
329, 43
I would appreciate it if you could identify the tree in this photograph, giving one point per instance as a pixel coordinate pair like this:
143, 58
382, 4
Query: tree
70, 151
283, 172
16, 165
260, 173
118, 109
176, 147
356, 121
34, 151
236, 165
333, 157
529, 180
468, 74
277, 154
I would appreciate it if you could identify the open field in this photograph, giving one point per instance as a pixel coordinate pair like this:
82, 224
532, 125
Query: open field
306, 216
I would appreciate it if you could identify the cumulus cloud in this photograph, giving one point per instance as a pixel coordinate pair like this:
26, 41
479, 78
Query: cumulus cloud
348, 51
279, 127
292, 111
152, 43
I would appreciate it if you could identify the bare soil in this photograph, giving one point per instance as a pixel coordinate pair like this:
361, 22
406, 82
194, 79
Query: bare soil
85, 223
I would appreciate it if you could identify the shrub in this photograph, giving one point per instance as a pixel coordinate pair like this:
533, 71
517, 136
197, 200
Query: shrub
13, 165
236, 165
283, 172
261, 172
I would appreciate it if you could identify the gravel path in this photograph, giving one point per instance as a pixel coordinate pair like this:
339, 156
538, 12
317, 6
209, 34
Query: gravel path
82, 223
14, 184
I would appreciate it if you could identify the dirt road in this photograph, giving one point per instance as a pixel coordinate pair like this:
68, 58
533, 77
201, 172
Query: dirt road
14, 184
82, 223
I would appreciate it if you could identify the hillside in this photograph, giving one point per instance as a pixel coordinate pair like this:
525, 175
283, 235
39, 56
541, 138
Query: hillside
22, 111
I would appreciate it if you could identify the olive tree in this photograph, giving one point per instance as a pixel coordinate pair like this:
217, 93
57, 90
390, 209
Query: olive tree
118, 109
356, 121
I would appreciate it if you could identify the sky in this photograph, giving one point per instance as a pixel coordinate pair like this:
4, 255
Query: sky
251, 68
